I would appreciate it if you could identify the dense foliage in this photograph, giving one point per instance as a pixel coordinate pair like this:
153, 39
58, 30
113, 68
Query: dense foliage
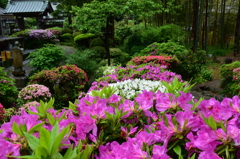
46, 57
8, 90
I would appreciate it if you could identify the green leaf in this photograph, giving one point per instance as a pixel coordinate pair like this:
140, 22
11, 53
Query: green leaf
33, 141
223, 127
24, 157
54, 133
41, 151
23, 128
178, 151
212, 123
165, 119
69, 153
87, 152
16, 129
193, 156
44, 139
62, 117
58, 140
51, 119
36, 128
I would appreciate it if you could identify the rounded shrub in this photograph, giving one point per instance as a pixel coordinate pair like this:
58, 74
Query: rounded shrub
66, 37
46, 57
97, 42
33, 92
118, 56
65, 83
57, 31
169, 48
164, 60
100, 52
67, 30
84, 59
74, 34
84, 39
133, 44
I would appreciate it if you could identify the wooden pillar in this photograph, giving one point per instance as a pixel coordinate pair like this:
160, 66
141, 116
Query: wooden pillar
20, 22
1, 29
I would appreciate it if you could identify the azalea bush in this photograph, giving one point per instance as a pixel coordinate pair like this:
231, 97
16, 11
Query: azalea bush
33, 92
233, 85
152, 125
38, 37
145, 71
65, 82
164, 60
25, 107
230, 74
169, 48
2, 113
226, 70
130, 88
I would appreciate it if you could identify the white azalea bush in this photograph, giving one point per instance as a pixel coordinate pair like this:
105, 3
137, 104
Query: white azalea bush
129, 89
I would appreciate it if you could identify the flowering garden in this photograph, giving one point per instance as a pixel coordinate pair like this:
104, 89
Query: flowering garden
140, 110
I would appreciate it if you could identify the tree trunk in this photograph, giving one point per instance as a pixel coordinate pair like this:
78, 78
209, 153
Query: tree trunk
237, 32
194, 25
109, 34
214, 37
205, 27
69, 19
200, 21
223, 6
207, 22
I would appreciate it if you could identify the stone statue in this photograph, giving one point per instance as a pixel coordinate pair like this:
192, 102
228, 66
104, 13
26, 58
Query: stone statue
17, 60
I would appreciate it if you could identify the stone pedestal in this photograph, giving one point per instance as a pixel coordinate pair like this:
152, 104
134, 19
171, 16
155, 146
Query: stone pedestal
21, 82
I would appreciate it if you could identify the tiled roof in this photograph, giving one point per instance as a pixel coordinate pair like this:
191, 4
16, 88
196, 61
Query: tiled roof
26, 6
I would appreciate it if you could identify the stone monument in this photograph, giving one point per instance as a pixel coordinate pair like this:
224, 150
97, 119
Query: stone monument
18, 72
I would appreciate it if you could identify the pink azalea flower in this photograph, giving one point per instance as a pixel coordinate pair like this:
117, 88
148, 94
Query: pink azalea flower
145, 100
208, 154
193, 121
7, 148
160, 152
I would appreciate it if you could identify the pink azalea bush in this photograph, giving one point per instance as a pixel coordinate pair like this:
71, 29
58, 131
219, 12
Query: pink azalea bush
153, 125
146, 71
25, 107
164, 61
42, 34
2, 112
34, 92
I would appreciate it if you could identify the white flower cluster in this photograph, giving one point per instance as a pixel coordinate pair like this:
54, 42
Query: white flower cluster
130, 88
107, 69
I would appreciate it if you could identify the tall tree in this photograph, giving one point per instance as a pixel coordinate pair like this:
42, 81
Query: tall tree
3, 3
237, 33
65, 6
99, 14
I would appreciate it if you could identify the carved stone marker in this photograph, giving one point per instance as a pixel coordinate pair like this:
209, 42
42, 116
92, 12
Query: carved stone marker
17, 61
18, 72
